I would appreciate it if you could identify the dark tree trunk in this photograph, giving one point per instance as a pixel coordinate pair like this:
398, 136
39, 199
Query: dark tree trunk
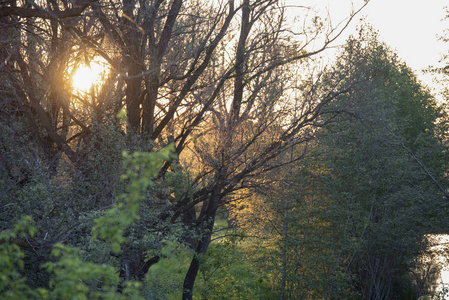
133, 99
240, 58
132, 61
149, 104
203, 244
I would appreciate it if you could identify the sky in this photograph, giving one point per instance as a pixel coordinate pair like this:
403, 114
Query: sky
410, 27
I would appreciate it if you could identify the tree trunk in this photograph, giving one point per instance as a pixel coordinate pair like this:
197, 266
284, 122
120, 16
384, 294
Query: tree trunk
203, 244
133, 63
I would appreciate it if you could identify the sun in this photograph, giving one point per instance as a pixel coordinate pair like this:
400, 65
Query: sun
86, 75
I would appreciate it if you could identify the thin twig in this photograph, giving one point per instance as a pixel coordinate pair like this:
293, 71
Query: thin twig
417, 160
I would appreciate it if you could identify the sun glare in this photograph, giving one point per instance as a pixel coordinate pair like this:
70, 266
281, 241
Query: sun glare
85, 76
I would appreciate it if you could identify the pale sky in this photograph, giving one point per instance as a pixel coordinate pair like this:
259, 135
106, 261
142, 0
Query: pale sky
411, 27
408, 26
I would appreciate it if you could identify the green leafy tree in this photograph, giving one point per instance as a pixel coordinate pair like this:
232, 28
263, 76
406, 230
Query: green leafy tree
387, 164
353, 217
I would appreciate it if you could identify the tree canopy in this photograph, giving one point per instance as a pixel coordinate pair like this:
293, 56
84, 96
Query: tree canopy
213, 128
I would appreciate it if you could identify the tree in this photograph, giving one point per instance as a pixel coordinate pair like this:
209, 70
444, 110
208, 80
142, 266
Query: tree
214, 78
72, 277
388, 166
352, 218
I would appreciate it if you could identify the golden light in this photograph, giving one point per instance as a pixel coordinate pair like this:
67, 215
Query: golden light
85, 76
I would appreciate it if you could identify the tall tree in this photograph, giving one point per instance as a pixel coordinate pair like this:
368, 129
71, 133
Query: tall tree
353, 217
214, 78
388, 165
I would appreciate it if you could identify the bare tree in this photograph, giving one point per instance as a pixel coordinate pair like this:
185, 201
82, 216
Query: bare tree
225, 81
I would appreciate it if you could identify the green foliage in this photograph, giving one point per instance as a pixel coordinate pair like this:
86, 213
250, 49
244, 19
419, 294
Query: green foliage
227, 273
75, 279
141, 168
349, 220
12, 283
71, 277
164, 280
382, 156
